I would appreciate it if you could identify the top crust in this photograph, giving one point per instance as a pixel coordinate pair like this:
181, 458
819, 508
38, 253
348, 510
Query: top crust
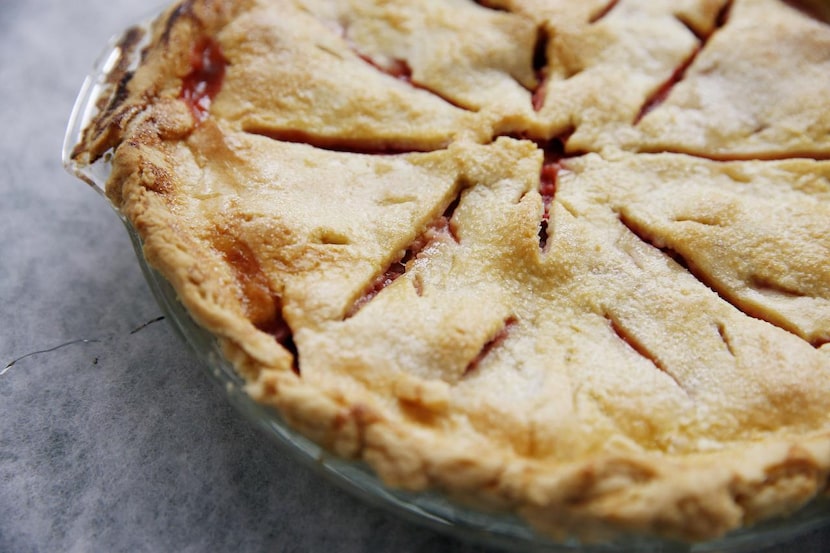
564, 259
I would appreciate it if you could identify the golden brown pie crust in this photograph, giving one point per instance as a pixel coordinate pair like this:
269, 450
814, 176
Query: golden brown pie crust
559, 258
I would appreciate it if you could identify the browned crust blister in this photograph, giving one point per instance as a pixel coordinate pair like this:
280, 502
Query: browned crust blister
562, 259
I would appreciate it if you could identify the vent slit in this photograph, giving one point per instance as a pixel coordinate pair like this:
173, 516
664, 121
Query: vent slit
637, 346
400, 69
746, 307
387, 147
726, 340
492, 5
604, 11
442, 226
395, 270
548, 179
662, 93
494, 342
396, 68
540, 67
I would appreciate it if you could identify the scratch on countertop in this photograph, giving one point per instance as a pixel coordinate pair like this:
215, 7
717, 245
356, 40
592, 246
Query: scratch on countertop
73, 342
145, 325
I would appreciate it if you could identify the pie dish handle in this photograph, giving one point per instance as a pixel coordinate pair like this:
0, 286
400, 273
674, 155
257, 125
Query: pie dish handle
120, 56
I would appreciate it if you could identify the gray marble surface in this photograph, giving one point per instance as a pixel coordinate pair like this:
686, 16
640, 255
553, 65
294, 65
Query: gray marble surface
112, 437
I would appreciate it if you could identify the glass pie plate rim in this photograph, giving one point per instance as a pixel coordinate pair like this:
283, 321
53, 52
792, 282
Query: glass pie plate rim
426, 508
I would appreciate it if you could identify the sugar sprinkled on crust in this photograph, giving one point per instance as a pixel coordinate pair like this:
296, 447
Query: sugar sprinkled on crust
523, 253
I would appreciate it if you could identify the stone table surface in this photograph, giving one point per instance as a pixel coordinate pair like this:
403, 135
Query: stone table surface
112, 436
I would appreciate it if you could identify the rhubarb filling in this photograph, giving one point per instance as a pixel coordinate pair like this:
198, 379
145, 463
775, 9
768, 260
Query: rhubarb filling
204, 81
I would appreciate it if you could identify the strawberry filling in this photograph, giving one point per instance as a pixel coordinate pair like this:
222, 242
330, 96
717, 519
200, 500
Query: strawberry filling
552, 165
202, 84
261, 304
540, 63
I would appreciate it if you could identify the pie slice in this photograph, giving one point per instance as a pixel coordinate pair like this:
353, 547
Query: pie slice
526, 254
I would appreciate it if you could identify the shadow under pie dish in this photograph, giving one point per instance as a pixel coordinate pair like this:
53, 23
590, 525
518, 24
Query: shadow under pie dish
563, 260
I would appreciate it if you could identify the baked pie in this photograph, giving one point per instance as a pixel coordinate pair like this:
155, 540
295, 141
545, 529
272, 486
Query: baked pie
560, 258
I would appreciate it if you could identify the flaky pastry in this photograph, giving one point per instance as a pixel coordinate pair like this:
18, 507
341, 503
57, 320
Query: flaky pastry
564, 259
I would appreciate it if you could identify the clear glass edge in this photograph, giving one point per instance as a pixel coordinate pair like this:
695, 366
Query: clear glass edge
426, 508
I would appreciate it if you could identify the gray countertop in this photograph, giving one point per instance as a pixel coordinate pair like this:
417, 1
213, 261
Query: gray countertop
112, 437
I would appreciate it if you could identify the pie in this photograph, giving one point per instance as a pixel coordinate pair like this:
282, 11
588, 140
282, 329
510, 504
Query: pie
566, 259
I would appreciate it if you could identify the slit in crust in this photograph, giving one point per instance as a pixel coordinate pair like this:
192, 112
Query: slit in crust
443, 225
604, 12
492, 344
663, 91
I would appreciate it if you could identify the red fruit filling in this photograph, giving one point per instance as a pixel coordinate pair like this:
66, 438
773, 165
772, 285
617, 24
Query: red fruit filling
394, 67
540, 64
261, 304
552, 165
202, 84
349, 144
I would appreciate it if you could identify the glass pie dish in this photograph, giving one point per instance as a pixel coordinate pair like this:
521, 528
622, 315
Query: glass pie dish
430, 509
